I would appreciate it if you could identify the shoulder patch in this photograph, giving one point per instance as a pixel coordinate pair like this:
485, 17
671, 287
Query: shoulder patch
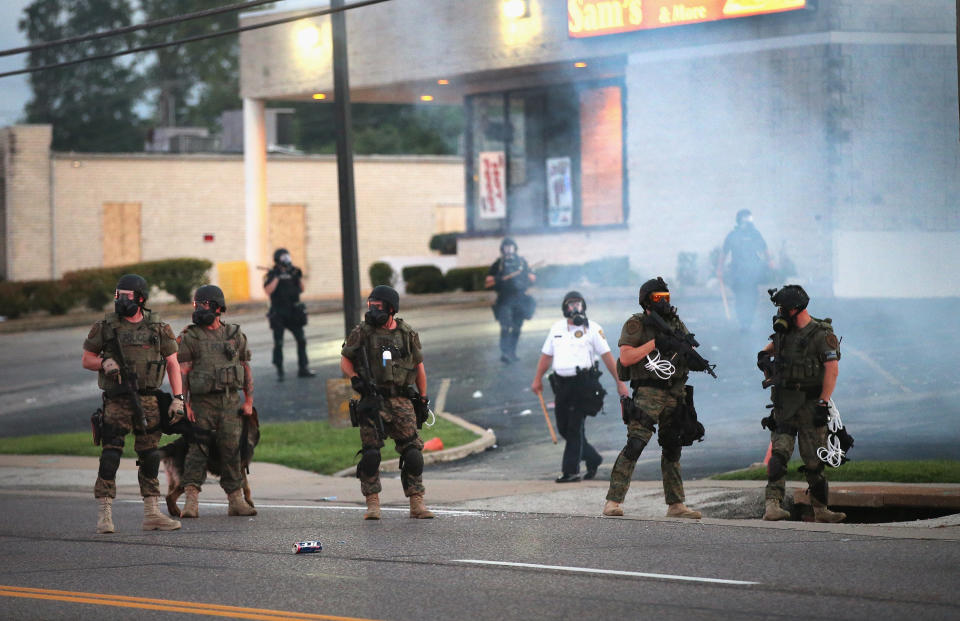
600, 332
416, 340
95, 330
832, 341
167, 330
354, 338
633, 326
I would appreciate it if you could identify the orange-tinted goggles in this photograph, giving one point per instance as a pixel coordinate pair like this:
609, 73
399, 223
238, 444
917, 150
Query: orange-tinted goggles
660, 296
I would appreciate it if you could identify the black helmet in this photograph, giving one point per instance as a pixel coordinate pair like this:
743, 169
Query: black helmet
278, 253
135, 283
210, 293
388, 295
572, 295
507, 241
789, 296
654, 284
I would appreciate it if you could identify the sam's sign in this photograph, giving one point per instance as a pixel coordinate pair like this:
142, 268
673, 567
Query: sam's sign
592, 18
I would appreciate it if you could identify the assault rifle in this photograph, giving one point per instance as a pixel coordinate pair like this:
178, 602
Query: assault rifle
681, 344
369, 404
769, 363
129, 382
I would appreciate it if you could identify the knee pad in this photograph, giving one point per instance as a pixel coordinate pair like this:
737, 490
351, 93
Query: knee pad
149, 462
112, 437
633, 448
671, 452
109, 463
369, 463
820, 490
411, 462
776, 467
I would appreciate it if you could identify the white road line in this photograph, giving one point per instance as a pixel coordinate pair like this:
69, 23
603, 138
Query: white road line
873, 364
335, 507
441, 400
612, 572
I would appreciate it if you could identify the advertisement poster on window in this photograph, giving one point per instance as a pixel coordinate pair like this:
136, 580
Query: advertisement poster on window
493, 198
559, 191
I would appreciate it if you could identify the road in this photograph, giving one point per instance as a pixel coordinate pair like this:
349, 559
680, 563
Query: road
511, 566
897, 392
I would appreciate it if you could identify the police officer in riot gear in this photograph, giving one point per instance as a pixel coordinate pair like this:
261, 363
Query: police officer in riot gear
572, 348
215, 363
749, 262
659, 396
510, 276
804, 354
135, 338
284, 284
383, 359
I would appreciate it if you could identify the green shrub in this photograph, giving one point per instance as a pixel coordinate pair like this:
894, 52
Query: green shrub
13, 300
54, 296
382, 274
423, 279
465, 278
178, 277
94, 286
558, 276
611, 271
444, 243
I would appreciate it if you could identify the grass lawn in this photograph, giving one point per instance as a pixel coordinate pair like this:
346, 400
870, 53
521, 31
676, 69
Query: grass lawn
307, 445
921, 471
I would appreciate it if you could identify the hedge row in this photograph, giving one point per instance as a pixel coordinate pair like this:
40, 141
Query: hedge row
94, 288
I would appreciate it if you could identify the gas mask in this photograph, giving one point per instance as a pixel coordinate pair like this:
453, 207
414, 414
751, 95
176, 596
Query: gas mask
659, 301
125, 307
376, 317
204, 316
575, 311
782, 321
285, 260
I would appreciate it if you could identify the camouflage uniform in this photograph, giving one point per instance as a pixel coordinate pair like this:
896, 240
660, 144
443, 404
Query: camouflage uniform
214, 382
803, 353
393, 377
657, 402
145, 345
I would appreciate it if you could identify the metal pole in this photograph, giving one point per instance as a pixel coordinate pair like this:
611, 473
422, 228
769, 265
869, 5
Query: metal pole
348, 211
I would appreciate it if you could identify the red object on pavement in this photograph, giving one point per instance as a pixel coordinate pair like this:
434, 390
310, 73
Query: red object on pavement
766, 460
433, 444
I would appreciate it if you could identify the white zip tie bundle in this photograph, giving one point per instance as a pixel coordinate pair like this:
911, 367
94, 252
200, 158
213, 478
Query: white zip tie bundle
432, 419
832, 454
662, 368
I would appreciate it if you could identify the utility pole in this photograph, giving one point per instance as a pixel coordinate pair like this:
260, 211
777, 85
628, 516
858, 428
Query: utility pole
348, 212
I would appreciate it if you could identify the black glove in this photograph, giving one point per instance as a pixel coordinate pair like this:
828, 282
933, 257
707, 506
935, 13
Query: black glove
821, 413
296, 273
359, 384
664, 343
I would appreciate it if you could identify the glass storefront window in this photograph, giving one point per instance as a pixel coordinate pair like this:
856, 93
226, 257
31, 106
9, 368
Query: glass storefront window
554, 153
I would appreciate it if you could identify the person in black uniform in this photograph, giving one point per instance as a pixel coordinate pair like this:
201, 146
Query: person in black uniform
749, 262
284, 284
510, 276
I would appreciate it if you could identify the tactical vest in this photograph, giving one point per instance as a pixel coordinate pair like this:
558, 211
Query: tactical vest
801, 363
398, 368
216, 364
638, 372
140, 344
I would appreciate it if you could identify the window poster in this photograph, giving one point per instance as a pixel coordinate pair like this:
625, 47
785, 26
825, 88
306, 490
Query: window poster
493, 198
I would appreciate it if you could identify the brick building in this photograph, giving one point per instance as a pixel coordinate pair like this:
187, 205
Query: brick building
639, 128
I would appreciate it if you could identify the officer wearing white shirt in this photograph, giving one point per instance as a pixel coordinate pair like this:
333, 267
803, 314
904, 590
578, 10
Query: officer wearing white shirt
572, 348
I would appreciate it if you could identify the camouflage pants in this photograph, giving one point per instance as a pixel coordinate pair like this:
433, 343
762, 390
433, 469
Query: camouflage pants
218, 422
119, 416
400, 423
660, 405
795, 425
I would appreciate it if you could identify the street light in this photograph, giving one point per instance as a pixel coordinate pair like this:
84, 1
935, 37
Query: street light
515, 9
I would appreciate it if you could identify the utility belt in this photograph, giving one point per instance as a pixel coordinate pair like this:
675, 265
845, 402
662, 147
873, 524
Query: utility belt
389, 391
119, 391
651, 383
810, 392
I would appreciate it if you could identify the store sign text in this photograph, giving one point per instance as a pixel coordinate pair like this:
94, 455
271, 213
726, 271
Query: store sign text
593, 18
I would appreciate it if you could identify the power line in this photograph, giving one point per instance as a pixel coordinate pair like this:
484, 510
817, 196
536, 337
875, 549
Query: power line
239, 6
223, 33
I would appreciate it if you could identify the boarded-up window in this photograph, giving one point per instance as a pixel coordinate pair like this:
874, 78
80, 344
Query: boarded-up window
288, 229
601, 156
450, 218
121, 233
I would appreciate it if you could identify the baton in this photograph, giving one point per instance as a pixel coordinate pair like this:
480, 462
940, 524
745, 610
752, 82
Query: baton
543, 405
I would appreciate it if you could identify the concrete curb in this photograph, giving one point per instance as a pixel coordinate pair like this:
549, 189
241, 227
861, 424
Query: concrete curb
486, 440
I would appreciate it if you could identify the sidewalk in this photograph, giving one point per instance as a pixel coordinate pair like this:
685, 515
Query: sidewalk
737, 503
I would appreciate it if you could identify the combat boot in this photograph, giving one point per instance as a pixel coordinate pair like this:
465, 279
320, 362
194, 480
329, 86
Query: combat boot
238, 506
153, 519
373, 507
680, 510
105, 516
191, 506
773, 512
612, 509
822, 514
418, 509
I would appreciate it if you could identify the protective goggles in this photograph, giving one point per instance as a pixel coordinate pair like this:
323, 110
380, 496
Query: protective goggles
204, 303
660, 296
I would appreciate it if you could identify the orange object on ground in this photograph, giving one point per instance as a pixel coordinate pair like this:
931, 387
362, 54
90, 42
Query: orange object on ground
766, 460
433, 444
